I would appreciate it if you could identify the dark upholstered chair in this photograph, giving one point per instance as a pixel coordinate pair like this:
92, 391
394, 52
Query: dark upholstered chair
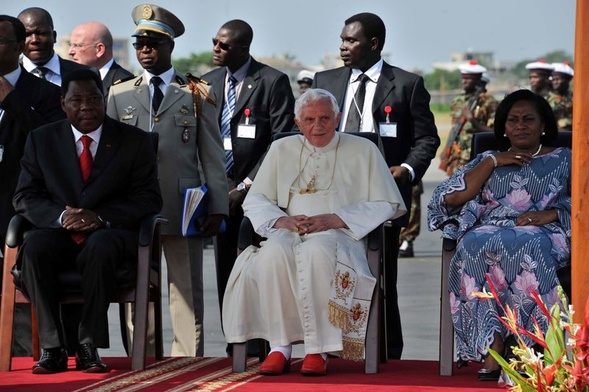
374, 337
144, 289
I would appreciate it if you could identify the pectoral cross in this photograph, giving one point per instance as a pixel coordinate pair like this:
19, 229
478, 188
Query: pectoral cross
310, 187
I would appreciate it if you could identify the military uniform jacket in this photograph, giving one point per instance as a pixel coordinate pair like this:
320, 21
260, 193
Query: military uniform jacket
190, 150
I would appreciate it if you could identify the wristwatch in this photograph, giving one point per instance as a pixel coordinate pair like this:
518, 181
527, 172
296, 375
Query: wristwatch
241, 187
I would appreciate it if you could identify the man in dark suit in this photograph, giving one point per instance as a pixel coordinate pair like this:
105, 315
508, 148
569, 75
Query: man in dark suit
262, 104
86, 204
39, 57
91, 44
377, 97
26, 102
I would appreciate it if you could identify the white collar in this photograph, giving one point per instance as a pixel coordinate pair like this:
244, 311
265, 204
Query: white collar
165, 76
52, 64
12, 77
373, 72
105, 68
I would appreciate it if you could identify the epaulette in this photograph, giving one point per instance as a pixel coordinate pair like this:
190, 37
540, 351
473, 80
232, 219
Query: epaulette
196, 79
122, 80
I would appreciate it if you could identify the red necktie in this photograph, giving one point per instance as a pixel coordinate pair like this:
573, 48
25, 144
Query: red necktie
86, 166
86, 157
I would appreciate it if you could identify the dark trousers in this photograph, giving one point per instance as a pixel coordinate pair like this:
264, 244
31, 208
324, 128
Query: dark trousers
45, 252
226, 253
394, 331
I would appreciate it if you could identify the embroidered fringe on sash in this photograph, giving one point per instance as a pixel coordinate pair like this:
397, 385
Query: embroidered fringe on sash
349, 302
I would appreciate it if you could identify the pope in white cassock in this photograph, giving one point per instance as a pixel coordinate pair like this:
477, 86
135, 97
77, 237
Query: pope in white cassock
315, 197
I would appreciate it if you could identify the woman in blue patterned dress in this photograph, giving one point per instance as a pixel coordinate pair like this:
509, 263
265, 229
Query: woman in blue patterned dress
512, 210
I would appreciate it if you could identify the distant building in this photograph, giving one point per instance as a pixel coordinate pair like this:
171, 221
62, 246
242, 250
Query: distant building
484, 58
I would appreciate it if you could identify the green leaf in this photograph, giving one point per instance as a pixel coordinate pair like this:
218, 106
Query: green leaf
515, 376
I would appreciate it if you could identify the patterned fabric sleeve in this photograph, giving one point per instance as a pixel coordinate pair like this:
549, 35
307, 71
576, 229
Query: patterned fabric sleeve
438, 215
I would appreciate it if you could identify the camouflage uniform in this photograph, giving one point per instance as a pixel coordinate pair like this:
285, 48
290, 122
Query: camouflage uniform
484, 112
562, 106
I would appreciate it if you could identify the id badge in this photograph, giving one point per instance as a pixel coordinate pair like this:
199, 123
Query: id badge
387, 129
227, 145
246, 131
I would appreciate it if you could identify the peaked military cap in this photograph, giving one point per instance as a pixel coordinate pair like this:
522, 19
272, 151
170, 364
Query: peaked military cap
154, 21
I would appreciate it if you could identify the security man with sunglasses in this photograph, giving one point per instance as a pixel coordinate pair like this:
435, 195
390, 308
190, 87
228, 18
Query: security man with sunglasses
162, 100
254, 101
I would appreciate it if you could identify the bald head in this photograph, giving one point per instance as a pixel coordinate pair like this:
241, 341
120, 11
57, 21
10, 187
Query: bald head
91, 44
40, 15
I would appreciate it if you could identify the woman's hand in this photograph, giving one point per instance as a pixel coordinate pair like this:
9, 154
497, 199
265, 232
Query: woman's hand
536, 218
513, 158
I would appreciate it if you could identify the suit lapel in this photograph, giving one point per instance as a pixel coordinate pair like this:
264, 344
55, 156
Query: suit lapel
340, 85
71, 162
107, 147
218, 87
142, 93
384, 87
249, 85
109, 78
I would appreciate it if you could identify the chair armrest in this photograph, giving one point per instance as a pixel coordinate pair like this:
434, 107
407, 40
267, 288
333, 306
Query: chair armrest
16, 229
147, 228
246, 234
374, 241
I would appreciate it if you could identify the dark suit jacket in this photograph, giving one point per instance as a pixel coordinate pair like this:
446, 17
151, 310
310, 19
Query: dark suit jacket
116, 74
67, 66
33, 102
417, 136
267, 93
122, 187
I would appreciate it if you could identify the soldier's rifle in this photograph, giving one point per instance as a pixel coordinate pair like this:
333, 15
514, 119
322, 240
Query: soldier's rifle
455, 131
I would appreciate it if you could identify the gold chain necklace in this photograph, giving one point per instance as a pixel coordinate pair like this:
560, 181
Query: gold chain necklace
534, 154
310, 188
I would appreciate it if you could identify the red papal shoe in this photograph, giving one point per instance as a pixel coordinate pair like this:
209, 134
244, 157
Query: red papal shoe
275, 364
314, 365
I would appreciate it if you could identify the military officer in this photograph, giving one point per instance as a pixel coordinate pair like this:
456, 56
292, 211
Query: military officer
539, 72
162, 100
561, 96
479, 119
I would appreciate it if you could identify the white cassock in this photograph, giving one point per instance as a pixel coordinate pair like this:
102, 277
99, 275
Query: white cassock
313, 288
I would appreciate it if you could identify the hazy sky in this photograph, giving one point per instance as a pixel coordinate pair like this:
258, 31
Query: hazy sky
419, 32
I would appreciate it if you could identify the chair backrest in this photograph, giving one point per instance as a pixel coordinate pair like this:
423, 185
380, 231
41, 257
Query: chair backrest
484, 141
367, 135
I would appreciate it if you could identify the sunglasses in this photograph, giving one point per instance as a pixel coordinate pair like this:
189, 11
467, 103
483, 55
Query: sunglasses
222, 45
148, 44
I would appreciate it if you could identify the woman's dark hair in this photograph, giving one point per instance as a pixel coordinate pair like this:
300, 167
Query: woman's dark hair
542, 107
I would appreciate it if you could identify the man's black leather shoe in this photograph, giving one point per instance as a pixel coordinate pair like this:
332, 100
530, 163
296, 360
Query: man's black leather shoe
88, 360
53, 360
